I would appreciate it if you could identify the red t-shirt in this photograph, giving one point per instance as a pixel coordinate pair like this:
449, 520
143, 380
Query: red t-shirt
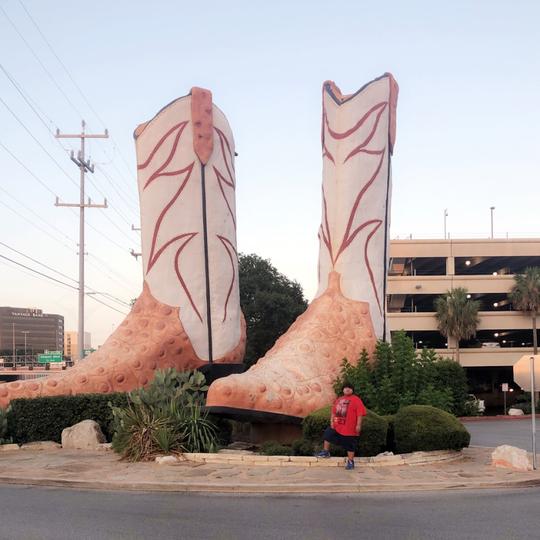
346, 410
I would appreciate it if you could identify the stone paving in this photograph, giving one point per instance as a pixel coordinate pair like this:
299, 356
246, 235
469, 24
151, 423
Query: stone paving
104, 470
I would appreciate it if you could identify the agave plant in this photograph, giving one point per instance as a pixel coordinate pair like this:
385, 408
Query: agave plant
166, 417
199, 433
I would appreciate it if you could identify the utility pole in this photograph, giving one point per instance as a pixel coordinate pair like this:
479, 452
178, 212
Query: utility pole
84, 167
492, 208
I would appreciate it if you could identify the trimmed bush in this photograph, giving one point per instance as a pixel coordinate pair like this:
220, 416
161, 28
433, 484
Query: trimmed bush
314, 424
303, 447
44, 418
372, 439
390, 437
273, 448
421, 427
4, 427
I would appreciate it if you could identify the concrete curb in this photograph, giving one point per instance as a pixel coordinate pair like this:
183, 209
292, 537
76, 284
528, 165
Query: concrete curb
382, 460
269, 488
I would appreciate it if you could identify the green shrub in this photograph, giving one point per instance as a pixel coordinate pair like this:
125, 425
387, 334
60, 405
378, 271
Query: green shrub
372, 440
314, 424
303, 447
165, 417
421, 427
44, 418
390, 442
4, 439
273, 448
449, 374
142, 432
397, 376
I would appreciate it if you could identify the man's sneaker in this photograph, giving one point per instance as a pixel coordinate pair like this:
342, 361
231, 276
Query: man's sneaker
349, 465
323, 454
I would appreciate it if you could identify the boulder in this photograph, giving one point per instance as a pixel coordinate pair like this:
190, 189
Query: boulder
85, 435
511, 458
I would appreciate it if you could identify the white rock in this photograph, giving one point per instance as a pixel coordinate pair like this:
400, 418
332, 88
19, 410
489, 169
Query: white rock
515, 412
85, 435
511, 457
166, 460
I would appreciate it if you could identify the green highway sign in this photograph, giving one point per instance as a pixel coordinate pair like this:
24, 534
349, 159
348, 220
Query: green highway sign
50, 357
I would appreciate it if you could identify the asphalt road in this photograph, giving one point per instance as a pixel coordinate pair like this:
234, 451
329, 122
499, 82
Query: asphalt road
48, 513
497, 432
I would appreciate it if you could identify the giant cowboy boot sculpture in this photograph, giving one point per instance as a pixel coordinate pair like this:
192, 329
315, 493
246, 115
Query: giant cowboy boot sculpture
295, 377
188, 314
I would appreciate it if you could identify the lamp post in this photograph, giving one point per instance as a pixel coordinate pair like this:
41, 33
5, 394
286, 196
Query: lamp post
13, 352
25, 332
491, 209
445, 216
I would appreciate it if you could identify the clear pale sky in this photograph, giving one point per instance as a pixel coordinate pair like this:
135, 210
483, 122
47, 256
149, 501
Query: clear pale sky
467, 139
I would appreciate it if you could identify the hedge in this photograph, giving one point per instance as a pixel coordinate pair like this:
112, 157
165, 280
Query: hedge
421, 427
44, 418
372, 439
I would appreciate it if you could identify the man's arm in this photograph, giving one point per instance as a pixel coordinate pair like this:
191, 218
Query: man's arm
359, 424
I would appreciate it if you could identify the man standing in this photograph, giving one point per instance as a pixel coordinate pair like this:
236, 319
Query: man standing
345, 424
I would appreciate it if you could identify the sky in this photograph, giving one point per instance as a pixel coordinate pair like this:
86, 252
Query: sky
467, 135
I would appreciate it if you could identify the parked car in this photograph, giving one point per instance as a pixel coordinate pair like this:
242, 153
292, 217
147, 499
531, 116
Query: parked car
476, 403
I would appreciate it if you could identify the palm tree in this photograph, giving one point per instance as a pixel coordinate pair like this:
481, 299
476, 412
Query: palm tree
457, 315
525, 296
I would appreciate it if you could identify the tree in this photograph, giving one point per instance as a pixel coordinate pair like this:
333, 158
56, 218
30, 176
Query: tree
457, 315
270, 302
525, 296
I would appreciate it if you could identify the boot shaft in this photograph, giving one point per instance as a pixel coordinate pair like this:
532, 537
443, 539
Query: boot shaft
186, 179
358, 133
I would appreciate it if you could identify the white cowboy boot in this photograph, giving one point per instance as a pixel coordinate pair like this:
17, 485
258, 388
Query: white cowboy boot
188, 314
295, 377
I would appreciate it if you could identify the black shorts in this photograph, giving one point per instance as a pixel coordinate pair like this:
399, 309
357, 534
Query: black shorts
347, 442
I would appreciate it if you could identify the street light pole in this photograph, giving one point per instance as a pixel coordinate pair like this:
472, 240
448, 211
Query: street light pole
445, 216
13, 342
25, 332
492, 208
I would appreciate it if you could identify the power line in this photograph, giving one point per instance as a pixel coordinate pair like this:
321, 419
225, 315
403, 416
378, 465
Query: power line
91, 289
30, 102
36, 140
43, 184
38, 272
36, 215
71, 104
68, 73
34, 225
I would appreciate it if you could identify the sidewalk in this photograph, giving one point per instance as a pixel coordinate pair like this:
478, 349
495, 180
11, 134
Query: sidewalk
103, 470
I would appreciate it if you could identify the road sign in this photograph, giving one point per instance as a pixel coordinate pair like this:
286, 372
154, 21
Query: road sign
522, 372
50, 357
504, 387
